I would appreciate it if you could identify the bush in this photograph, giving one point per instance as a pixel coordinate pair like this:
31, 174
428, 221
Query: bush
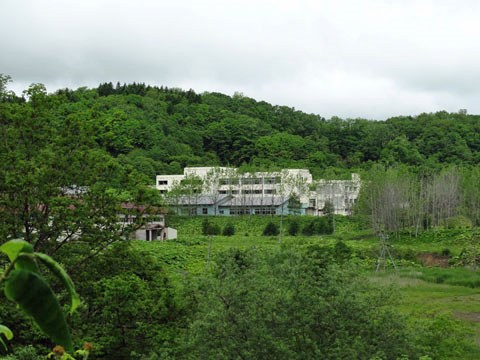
446, 252
24, 353
459, 222
341, 252
323, 225
309, 229
229, 230
210, 229
252, 308
293, 228
318, 226
270, 230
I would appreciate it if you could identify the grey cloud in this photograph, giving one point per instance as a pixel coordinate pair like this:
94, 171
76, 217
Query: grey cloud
368, 59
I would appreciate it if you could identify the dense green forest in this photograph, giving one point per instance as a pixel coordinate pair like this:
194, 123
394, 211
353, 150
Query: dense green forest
68, 159
161, 130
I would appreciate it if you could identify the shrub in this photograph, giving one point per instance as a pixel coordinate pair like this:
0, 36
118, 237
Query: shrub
459, 222
293, 228
446, 252
323, 225
342, 252
210, 229
229, 230
309, 229
270, 230
246, 310
318, 226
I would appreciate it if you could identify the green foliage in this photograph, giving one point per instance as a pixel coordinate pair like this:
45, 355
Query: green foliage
292, 305
342, 252
24, 353
309, 229
123, 135
228, 230
61, 274
209, 228
442, 337
459, 276
127, 120
7, 334
271, 229
318, 226
27, 287
293, 227
294, 205
130, 303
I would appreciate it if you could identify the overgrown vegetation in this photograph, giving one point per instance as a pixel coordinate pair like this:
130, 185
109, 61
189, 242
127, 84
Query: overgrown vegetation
68, 160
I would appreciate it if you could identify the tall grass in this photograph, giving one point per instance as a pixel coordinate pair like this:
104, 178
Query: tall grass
452, 276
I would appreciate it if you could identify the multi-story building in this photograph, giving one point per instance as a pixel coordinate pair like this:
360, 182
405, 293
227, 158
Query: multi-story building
226, 191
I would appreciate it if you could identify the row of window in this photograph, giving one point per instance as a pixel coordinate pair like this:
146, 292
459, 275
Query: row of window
254, 191
265, 211
256, 211
313, 202
143, 219
251, 181
234, 181
235, 211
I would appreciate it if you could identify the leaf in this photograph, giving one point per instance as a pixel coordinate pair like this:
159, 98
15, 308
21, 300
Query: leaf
62, 275
8, 335
35, 297
14, 247
6, 331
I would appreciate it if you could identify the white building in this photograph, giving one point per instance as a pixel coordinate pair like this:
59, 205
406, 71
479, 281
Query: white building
145, 225
259, 192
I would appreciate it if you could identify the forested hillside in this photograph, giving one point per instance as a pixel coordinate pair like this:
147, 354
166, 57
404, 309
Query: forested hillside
161, 130
70, 159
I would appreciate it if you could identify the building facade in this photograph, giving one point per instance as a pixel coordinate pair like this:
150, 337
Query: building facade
145, 224
226, 191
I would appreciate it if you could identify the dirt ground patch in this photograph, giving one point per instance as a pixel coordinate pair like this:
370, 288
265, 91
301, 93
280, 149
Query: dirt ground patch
430, 259
468, 316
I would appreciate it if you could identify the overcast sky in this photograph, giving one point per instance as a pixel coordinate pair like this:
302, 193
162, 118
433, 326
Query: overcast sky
363, 58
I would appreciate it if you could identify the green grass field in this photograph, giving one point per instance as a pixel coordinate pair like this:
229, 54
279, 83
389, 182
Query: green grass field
429, 295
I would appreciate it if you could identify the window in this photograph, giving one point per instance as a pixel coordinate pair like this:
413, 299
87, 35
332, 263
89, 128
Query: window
272, 180
269, 181
312, 203
270, 191
234, 192
155, 218
204, 211
236, 211
228, 181
188, 211
256, 191
251, 181
221, 211
265, 211
222, 192
162, 182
